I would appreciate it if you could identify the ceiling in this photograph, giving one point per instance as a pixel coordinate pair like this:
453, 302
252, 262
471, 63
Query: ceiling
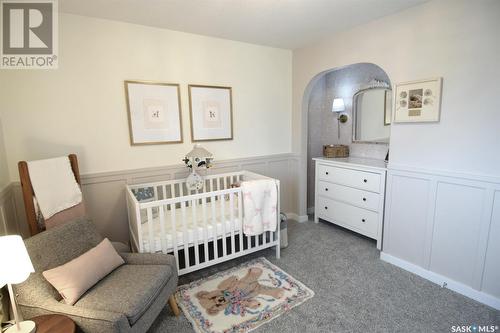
286, 24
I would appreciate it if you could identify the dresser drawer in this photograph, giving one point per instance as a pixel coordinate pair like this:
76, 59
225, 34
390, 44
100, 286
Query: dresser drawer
357, 219
360, 198
359, 179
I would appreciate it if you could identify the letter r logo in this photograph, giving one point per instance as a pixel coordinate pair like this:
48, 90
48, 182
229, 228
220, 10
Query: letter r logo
27, 28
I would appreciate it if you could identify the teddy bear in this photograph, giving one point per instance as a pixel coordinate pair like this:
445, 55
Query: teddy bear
237, 296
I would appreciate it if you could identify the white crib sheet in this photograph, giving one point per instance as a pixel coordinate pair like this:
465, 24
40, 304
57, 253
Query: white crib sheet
195, 231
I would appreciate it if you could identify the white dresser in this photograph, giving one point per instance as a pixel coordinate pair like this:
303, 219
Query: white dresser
350, 192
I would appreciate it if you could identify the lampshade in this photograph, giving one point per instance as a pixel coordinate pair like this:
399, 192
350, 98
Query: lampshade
16, 263
199, 152
338, 105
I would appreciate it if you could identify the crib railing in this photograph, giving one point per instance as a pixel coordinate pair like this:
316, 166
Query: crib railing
178, 188
194, 250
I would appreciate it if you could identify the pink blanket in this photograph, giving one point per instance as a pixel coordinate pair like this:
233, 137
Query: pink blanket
260, 198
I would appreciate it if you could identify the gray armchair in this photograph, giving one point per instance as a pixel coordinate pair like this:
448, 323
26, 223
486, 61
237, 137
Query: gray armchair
127, 300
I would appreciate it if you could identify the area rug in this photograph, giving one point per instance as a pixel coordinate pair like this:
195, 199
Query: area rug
240, 299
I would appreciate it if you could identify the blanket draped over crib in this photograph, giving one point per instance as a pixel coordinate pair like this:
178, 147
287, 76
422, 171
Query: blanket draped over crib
260, 199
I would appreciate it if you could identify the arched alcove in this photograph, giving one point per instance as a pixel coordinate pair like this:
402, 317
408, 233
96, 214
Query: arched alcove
321, 124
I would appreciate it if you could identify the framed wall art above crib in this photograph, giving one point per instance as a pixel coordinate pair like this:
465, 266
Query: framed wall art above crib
154, 112
211, 113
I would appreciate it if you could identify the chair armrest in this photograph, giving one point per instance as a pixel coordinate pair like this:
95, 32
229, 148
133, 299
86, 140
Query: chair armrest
71, 310
120, 247
149, 259
105, 321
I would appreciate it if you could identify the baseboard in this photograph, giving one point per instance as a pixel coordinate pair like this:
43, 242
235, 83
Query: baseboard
310, 210
443, 281
297, 217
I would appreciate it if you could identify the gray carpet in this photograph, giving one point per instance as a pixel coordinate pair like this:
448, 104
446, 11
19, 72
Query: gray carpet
355, 290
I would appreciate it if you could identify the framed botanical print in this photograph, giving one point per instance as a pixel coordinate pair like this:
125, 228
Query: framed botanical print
154, 112
211, 113
418, 101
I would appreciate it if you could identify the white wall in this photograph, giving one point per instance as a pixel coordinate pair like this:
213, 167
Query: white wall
81, 108
4, 170
454, 39
436, 222
317, 111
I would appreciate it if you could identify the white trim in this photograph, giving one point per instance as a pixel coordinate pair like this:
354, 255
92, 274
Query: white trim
445, 173
363, 164
283, 166
297, 217
167, 169
443, 281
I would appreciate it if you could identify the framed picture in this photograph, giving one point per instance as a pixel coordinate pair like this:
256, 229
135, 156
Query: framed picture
211, 113
154, 112
418, 101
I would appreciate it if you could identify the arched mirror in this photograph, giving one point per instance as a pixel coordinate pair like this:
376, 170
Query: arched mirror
371, 112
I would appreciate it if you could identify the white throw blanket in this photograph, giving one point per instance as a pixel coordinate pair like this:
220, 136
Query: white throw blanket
54, 185
260, 198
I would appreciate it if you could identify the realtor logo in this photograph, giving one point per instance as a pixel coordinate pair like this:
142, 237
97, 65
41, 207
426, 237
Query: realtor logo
29, 34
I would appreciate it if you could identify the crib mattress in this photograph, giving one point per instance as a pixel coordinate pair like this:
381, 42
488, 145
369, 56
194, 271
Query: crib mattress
216, 226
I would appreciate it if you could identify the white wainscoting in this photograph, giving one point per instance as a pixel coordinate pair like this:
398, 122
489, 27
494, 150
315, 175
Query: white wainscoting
8, 213
445, 227
104, 193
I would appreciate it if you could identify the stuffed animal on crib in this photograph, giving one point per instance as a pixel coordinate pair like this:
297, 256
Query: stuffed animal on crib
237, 296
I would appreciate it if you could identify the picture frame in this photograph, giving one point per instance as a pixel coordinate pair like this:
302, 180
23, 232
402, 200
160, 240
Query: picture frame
418, 101
154, 112
211, 113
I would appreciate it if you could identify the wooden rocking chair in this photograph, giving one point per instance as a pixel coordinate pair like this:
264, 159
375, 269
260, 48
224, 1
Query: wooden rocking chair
28, 194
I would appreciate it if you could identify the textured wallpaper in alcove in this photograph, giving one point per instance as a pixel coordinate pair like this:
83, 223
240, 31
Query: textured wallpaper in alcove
322, 123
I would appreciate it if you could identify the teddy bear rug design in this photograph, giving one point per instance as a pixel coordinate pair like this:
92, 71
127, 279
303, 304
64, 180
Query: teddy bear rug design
242, 298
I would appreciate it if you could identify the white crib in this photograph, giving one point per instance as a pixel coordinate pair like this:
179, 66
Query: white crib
200, 228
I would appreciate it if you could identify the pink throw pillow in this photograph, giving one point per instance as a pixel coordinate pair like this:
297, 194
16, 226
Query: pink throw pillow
77, 276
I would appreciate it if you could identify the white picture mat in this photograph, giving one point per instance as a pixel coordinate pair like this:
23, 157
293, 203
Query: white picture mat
140, 96
428, 113
203, 100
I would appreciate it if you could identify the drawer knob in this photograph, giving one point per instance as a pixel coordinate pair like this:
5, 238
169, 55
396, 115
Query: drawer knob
326, 189
363, 220
326, 172
365, 180
326, 207
364, 199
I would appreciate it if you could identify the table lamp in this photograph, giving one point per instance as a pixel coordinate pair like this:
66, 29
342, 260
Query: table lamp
16, 268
